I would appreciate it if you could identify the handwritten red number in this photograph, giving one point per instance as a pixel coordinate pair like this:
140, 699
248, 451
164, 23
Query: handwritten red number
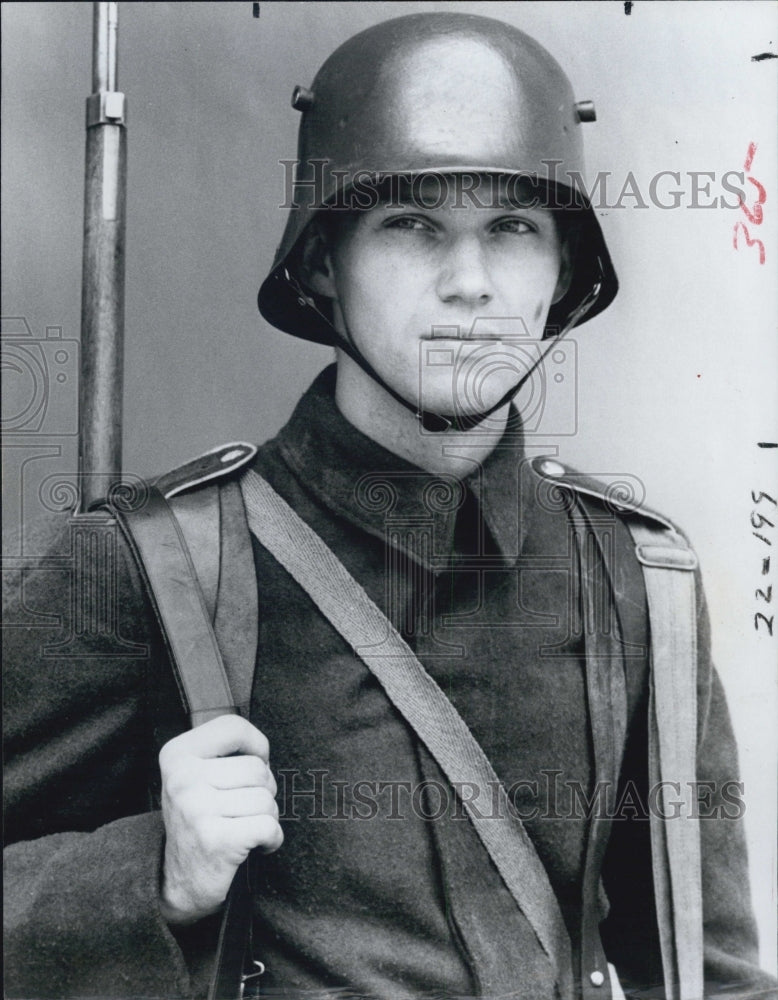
749, 241
768, 622
755, 215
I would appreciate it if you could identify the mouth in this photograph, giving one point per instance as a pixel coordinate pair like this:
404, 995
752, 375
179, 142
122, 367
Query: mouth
482, 330
463, 338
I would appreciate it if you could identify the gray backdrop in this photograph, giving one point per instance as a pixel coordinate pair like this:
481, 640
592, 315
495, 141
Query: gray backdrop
675, 381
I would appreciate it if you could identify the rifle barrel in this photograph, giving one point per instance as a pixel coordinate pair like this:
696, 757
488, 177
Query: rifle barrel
105, 51
102, 301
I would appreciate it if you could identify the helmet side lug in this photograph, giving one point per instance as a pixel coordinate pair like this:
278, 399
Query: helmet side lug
302, 99
586, 111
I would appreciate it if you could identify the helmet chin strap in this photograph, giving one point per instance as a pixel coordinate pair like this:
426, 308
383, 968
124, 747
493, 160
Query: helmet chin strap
430, 421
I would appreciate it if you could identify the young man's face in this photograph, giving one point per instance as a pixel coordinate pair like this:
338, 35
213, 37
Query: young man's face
446, 297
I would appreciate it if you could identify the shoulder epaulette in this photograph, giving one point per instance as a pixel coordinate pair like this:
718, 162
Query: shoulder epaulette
214, 464
614, 496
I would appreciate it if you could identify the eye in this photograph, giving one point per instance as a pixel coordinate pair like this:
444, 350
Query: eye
512, 224
413, 223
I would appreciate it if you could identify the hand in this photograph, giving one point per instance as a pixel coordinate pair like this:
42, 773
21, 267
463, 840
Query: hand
216, 808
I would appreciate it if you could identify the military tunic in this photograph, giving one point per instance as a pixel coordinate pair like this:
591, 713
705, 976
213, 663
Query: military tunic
381, 887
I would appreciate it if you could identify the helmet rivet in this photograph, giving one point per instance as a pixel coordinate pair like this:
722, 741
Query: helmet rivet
302, 99
586, 111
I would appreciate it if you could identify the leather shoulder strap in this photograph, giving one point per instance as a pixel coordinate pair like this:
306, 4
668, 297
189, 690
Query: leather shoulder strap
199, 516
668, 566
165, 563
159, 547
236, 621
422, 703
208, 506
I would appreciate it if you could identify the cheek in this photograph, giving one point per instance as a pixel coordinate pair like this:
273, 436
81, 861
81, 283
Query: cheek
529, 287
376, 289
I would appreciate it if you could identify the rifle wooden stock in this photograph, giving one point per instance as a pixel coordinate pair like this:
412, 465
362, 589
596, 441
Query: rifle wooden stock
102, 301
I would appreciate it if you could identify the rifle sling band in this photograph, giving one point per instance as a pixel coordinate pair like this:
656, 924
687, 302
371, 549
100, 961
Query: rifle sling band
420, 701
164, 561
668, 566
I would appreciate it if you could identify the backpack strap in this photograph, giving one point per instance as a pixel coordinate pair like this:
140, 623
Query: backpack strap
423, 705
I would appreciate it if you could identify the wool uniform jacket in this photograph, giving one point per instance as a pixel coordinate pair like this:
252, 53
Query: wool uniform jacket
89, 698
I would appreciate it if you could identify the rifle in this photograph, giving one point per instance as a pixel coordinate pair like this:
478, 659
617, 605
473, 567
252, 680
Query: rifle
102, 300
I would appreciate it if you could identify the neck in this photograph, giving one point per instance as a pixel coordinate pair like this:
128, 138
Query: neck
380, 417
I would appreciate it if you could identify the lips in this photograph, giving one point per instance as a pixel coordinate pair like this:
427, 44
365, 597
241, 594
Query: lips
509, 328
465, 337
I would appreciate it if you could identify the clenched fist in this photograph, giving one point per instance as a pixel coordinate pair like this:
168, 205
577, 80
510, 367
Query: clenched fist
216, 808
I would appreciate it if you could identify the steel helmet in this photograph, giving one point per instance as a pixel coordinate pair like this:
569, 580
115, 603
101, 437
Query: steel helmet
440, 93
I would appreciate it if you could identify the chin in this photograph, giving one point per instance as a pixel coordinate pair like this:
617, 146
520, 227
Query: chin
466, 397
474, 379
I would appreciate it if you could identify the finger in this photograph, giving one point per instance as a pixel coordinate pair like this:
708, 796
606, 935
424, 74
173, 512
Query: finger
227, 734
238, 772
244, 833
246, 802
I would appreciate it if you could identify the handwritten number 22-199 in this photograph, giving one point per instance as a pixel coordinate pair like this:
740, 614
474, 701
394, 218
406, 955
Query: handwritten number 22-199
759, 521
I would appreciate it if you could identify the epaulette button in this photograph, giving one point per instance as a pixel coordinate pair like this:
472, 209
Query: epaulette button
551, 468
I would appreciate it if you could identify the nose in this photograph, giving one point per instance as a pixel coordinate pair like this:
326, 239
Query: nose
464, 274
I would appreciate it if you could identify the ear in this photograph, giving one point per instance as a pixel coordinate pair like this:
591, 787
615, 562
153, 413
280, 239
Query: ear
316, 268
565, 269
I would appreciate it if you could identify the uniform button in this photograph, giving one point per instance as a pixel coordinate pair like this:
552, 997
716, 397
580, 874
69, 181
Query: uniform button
597, 978
231, 456
550, 468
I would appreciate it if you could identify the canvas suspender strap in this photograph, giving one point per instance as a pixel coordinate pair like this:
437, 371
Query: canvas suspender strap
420, 701
164, 561
668, 567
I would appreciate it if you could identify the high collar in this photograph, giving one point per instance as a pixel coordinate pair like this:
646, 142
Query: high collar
390, 497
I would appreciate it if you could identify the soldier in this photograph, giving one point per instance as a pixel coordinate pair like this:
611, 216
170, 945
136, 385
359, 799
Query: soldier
477, 763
